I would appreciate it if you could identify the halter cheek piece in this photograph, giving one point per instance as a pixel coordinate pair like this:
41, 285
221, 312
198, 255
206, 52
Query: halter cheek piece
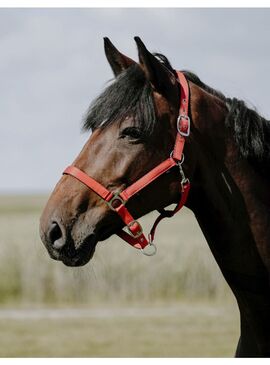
116, 202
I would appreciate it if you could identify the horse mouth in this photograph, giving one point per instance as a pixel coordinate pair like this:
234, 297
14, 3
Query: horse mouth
74, 253
71, 256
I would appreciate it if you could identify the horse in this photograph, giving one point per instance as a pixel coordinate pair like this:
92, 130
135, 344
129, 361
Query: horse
135, 127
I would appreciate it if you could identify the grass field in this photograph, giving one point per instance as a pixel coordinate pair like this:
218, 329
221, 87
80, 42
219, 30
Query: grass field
194, 313
186, 329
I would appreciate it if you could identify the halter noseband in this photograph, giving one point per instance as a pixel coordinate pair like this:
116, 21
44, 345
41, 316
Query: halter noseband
116, 201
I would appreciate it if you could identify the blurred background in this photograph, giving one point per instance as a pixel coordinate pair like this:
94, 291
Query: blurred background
52, 65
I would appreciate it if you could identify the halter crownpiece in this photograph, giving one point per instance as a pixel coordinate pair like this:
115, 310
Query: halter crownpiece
116, 201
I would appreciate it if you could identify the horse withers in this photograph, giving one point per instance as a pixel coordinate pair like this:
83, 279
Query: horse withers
133, 163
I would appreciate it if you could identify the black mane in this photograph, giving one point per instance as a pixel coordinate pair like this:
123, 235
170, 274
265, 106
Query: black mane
251, 132
131, 94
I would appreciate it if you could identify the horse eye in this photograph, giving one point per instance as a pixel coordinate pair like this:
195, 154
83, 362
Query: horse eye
132, 133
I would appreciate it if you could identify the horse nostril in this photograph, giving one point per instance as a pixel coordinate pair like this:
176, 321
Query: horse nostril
56, 236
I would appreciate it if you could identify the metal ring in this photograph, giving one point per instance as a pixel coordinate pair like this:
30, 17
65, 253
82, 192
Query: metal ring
151, 253
115, 197
182, 160
178, 162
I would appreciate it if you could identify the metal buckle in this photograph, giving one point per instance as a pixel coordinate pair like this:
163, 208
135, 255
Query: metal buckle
186, 117
116, 197
131, 233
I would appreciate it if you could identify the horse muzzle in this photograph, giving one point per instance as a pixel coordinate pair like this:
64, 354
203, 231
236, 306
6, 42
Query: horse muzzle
63, 247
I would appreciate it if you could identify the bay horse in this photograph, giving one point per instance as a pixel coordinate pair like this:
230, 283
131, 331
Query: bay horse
135, 125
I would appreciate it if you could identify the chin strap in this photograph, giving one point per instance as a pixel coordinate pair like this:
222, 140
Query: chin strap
134, 234
143, 242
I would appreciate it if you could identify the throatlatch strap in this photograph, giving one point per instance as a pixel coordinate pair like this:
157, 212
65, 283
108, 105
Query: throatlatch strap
183, 121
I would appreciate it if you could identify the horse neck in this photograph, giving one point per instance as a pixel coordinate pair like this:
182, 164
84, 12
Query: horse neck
228, 199
221, 196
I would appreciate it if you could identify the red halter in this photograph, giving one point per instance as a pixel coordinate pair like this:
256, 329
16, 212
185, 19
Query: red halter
116, 202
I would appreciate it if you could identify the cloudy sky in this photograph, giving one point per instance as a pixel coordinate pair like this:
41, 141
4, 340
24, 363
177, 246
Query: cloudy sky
52, 65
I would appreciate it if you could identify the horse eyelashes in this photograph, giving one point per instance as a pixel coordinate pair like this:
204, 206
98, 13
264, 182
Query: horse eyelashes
132, 133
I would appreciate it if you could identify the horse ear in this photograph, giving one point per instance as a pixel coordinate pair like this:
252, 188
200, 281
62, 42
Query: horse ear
117, 60
160, 77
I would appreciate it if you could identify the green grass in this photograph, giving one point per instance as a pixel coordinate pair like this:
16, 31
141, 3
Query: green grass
186, 329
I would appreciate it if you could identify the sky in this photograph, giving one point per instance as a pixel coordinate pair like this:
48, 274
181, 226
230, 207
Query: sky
52, 65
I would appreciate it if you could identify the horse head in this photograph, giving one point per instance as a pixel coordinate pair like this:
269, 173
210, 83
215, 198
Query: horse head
133, 125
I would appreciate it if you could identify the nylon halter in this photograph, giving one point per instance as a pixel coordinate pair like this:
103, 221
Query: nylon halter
116, 201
